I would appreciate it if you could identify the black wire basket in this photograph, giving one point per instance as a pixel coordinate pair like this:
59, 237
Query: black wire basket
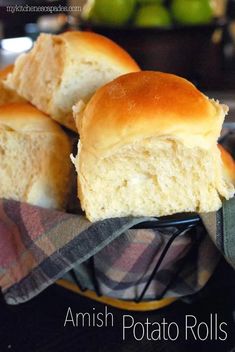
182, 224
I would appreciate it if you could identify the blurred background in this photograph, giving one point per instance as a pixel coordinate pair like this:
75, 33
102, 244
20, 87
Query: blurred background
191, 38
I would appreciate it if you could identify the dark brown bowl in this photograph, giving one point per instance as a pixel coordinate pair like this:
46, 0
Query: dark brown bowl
184, 50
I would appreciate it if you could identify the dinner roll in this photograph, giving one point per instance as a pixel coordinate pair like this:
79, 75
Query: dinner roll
62, 69
229, 164
148, 147
34, 157
7, 95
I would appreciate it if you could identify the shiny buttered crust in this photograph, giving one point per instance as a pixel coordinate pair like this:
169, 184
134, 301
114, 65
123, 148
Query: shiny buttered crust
35, 162
147, 104
62, 69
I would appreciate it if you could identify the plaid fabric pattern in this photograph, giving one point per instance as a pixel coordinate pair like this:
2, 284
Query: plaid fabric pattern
38, 246
123, 267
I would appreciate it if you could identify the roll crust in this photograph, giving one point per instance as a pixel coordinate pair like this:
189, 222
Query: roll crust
7, 95
96, 45
5, 71
145, 104
23, 117
228, 162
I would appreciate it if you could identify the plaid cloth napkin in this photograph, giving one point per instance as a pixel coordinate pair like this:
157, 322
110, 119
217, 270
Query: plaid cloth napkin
221, 228
39, 246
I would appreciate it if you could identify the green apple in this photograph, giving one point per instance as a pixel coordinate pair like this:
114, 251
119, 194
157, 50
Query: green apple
145, 2
152, 16
192, 11
113, 12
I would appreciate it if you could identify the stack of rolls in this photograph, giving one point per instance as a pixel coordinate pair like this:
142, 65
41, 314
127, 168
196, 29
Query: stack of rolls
148, 140
36, 95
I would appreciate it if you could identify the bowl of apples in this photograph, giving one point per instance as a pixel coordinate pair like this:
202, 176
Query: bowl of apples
178, 36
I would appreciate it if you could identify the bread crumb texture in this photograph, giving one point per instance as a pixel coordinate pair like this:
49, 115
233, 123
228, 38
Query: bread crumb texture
34, 162
62, 69
152, 178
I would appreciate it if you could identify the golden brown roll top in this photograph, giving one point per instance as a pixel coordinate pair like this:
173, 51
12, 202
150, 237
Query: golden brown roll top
95, 46
25, 118
149, 104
